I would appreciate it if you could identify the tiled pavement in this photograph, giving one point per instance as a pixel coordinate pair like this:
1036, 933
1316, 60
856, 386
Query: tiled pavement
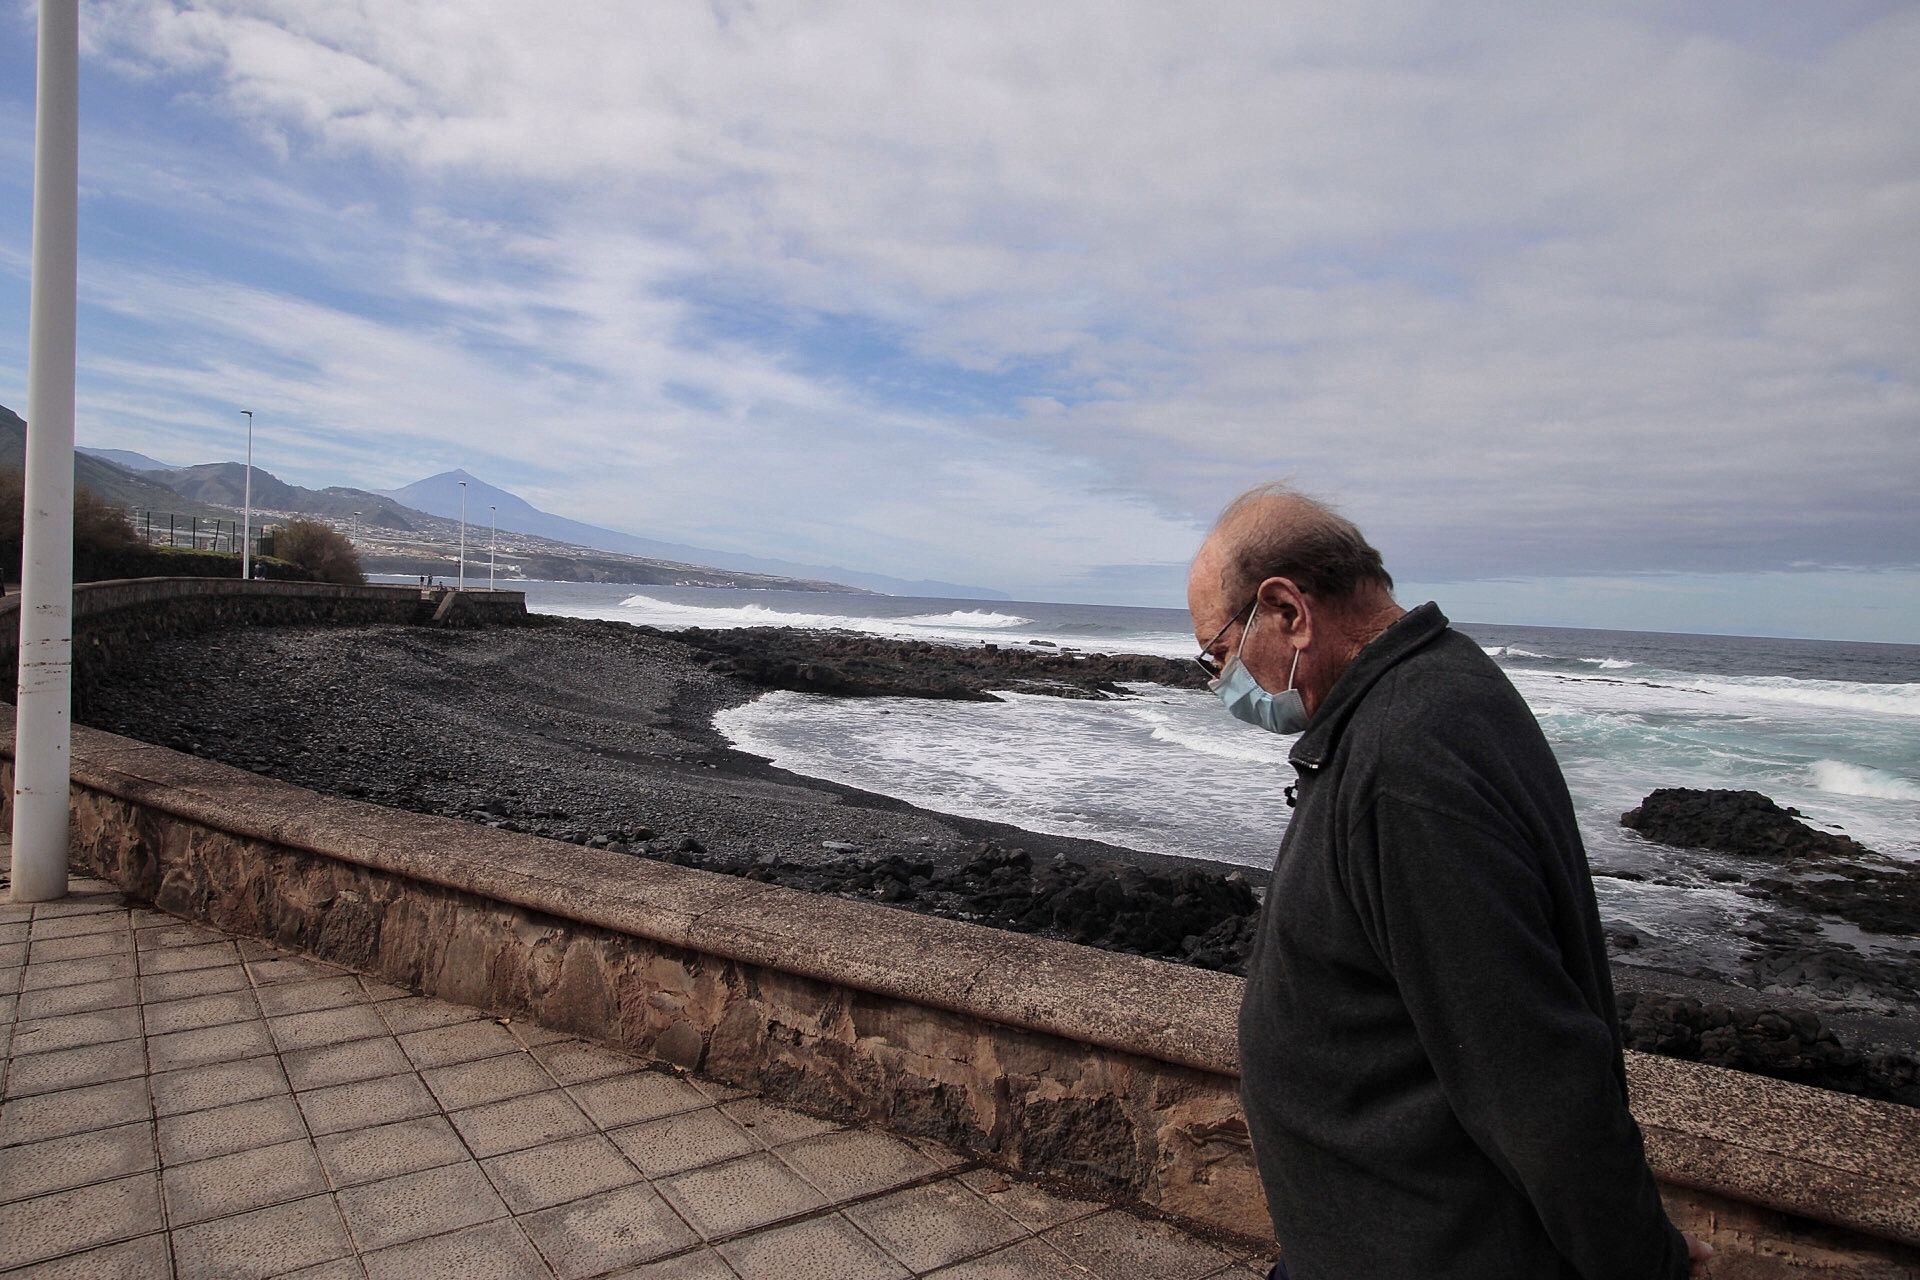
179, 1103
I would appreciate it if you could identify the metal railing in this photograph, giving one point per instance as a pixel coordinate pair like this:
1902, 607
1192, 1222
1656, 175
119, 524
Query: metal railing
200, 533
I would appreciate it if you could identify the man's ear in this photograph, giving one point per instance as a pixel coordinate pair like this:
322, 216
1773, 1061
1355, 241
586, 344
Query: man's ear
1290, 607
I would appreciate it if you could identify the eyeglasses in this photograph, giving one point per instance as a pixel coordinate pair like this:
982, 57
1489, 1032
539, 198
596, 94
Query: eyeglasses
1210, 664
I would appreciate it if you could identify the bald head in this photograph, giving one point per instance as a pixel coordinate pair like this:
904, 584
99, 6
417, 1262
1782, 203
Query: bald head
1275, 531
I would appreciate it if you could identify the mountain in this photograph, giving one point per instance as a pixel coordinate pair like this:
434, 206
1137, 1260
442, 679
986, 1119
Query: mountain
104, 479
224, 483
440, 495
127, 459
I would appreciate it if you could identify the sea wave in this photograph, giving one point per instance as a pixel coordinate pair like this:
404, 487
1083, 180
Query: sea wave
1222, 741
675, 613
1838, 695
1846, 779
975, 619
1607, 664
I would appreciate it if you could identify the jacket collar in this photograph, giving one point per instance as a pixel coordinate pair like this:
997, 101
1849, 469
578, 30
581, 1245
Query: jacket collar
1415, 629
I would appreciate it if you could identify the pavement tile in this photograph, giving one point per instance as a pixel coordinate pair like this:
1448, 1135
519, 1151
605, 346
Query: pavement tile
470, 1084
617, 1228
208, 955
242, 1181
739, 1195
408, 1012
81, 899
1124, 1247
203, 1135
719, 1090
288, 968
364, 1103
309, 997
1027, 1204
14, 932
460, 1042
226, 1043
200, 1011
825, 1246
338, 1269
215, 1084
389, 1150
53, 1115
856, 1162
72, 1030
326, 1026
643, 1095
344, 1063
932, 1226
576, 1061
685, 1141
418, 1204
174, 934
158, 987
78, 926
490, 1251
12, 954
1028, 1260
74, 1068
15, 912
67, 973
10, 980
378, 991
118, 942
571, 1169
701, 1264
774, 1125
87, 996
532, 1034
265, 1242
75, 1161
68, 1221
142, 1259
528, 1121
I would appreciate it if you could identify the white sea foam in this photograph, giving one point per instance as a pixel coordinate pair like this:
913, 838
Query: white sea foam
973, 619
1846, 779
1609, 664
1208, 733
1839, 695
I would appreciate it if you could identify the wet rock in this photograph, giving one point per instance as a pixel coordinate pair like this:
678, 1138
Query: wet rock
1743, 822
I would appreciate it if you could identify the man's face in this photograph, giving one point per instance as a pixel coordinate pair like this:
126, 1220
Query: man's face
1217, 627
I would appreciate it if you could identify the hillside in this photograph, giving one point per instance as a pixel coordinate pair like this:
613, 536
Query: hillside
116, 484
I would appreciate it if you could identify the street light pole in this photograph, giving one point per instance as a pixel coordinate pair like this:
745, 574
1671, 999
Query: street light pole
43, 716
246, 511
463, 535
356, 529
493, 540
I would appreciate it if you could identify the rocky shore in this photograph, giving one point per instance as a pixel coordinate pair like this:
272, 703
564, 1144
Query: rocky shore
601, 734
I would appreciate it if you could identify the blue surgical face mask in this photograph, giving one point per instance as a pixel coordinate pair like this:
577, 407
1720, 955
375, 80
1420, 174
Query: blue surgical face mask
1246, 700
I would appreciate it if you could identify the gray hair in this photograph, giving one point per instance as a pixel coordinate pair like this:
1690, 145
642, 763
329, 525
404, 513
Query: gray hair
1274, 530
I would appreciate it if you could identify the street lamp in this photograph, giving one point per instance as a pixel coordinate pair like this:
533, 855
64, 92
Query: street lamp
463, 535
246, 512
356, 527
43, 706
493, 540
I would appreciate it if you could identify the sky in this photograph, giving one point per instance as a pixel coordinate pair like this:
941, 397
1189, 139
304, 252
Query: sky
1601, 315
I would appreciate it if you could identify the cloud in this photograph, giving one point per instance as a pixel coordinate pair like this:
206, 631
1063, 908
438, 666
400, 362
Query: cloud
1023, 293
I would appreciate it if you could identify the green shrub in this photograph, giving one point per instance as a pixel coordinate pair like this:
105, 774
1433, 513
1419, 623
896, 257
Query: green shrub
325, 554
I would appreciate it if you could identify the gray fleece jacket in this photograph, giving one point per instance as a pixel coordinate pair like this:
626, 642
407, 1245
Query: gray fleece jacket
1431, 1062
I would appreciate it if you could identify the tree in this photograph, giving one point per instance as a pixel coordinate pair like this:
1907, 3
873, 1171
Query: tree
100, 529
322, 551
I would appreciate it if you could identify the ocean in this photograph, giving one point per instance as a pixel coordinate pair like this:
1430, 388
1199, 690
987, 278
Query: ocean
1829, 728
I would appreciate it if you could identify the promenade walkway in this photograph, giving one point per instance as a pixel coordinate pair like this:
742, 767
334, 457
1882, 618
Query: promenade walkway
180, 1103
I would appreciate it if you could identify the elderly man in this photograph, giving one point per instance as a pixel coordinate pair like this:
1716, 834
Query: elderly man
1430, 1060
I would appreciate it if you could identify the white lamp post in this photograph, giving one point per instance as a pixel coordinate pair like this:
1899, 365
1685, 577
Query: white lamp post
246, 510
356, 528
43, 717
463, 535
493, 541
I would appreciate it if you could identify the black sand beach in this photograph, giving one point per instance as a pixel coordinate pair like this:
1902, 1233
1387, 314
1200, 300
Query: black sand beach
601, 733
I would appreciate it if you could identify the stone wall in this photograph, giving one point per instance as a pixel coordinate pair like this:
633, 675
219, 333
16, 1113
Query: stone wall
111, 618
1112, 1073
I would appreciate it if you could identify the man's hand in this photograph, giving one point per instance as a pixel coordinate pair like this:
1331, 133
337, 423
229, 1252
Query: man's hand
1698, 1251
